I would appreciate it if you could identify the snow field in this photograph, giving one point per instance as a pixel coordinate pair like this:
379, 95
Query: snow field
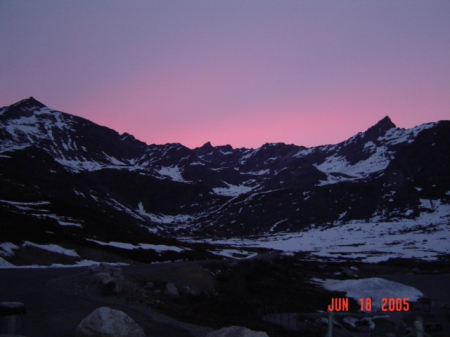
426, 238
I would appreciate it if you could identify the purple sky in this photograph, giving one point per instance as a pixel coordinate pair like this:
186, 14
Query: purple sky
239, 72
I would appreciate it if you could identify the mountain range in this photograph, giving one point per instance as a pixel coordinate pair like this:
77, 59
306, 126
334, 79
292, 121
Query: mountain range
66, 180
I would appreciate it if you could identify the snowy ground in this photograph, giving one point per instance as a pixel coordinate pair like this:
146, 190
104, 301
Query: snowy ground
375, 288
426, 238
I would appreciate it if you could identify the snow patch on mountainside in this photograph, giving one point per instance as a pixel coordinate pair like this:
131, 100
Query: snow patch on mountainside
173, 172
398, 136
338, 164
52, 248
33, 127
259, 173
381, 155
232, 190
7, 248
304, 152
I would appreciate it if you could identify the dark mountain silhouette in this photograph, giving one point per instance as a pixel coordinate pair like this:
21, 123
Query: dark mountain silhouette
64, 178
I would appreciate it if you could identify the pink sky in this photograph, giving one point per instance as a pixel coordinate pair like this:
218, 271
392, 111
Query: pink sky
308, 72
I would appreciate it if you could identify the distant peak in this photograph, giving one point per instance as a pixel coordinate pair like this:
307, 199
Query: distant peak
30, 102
385, 124
207, 146
26, 107
33, 101
226, 148
126, 135
380, 128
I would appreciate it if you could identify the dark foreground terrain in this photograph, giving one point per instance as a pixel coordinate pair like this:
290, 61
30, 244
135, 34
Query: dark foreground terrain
52, 310
212, 294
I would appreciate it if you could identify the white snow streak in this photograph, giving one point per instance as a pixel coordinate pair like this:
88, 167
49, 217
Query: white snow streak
124, 245
232, 190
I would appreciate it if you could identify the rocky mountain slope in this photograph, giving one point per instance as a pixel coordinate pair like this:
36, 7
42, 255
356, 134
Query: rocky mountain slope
65, 179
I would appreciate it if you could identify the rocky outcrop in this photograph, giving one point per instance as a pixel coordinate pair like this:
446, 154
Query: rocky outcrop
106, 322
236, 331
110, 280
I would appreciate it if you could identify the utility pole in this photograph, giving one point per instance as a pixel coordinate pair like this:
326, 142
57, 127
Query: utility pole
418, 323
330, 324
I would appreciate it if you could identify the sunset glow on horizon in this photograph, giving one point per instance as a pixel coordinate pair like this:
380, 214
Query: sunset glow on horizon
242, 73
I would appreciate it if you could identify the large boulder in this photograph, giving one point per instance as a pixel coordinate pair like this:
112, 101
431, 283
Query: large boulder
236, 331
171, 290
107, 322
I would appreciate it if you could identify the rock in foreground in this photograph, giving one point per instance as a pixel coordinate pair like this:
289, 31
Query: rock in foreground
236, 331
106, 322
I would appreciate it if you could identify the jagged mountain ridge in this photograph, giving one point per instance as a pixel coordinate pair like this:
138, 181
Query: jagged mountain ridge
83, 178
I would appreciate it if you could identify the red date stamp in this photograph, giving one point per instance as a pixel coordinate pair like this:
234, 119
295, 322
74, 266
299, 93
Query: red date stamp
366, 304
